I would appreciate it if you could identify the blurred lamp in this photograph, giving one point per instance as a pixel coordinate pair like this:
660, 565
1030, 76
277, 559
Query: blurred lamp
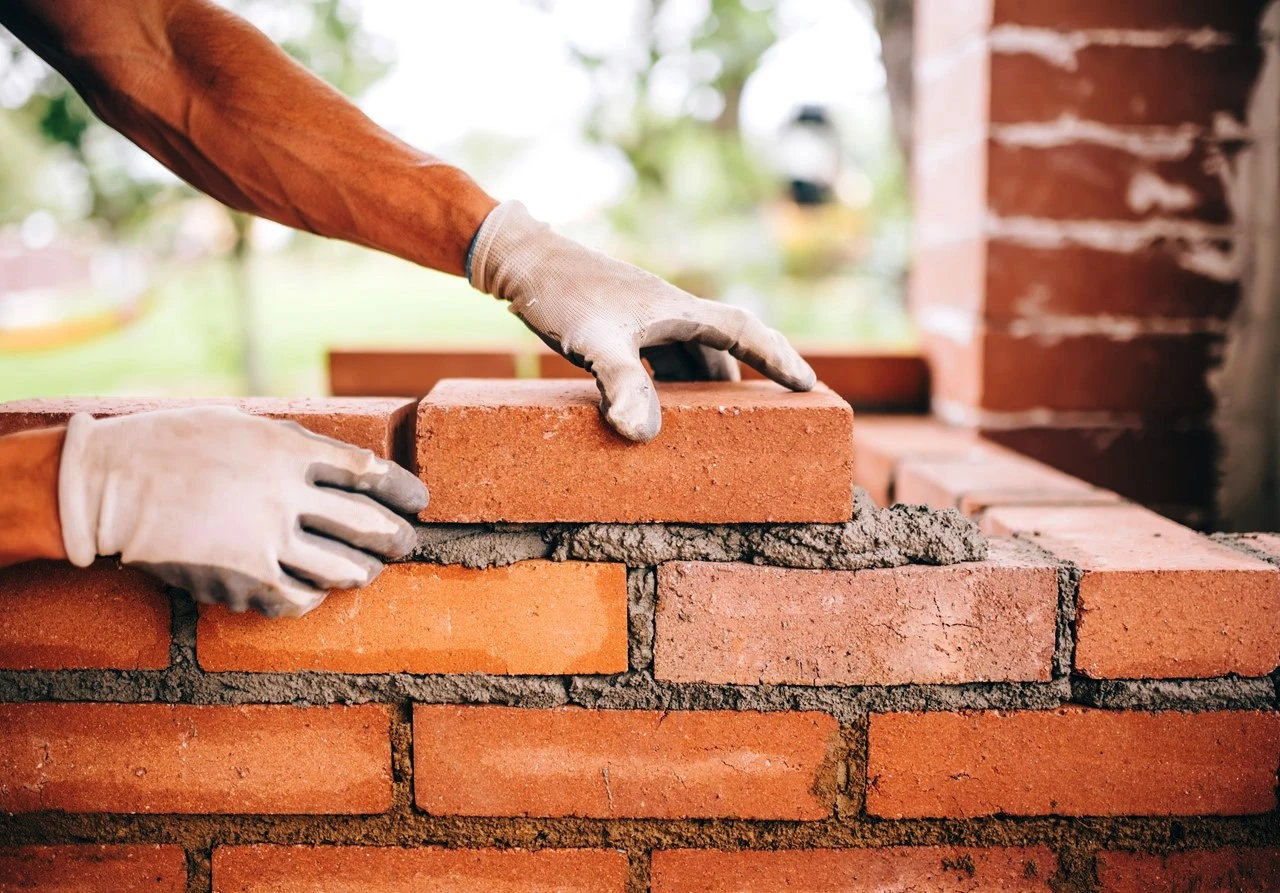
810, 153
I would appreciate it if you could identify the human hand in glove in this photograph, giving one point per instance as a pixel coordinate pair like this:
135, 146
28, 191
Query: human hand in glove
604, 315
238, 510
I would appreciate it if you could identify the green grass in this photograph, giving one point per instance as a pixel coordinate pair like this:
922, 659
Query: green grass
323, 294
187, 341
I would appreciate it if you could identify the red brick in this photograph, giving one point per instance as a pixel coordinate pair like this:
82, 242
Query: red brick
1165, 463
136, 868
936, 869
952, 105
1156, 600
880, 443
951, 195
976, 483
552, 365
956, 368
750, 625
1085, 181
1201, 871
54, 616
368, 869
952, 275
1071, 762
728, 452
883, 382
1087, 373
1078, 281
1002, 281
501, 761
1238, 18
161, 758
1125, 85
381, 424
534, 617
410, 373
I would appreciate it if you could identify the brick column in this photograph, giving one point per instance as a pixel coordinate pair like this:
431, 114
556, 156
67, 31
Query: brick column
1078, 248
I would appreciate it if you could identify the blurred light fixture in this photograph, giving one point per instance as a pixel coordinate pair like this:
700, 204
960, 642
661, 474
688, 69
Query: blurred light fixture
809, 150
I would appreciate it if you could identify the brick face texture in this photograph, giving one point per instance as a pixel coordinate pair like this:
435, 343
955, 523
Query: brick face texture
1157, 600
497, 761
750, 452
134, 868
159, 758
1205, 871
748, 625
532, 617
937, 869
305, 869
54, 616
1071, 762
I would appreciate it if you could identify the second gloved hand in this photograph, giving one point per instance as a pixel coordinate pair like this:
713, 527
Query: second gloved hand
238, 510
602, 314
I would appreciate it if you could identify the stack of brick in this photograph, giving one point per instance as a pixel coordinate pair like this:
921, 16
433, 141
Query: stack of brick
1088, 707
1080, 239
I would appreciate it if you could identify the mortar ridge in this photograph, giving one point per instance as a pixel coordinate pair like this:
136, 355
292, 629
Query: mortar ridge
873, 537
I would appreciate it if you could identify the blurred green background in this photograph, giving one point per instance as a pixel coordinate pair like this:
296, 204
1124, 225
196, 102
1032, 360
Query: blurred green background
663, 131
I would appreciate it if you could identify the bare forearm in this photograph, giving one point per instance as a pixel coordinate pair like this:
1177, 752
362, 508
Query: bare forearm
224, 108
29, 526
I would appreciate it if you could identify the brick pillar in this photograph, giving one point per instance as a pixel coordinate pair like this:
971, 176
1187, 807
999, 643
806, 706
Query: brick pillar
1078, 253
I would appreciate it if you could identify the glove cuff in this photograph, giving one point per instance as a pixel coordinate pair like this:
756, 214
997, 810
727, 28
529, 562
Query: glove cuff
78, 498
506, 244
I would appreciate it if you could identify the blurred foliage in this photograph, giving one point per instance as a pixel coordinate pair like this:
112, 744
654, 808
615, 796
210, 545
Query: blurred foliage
691, 157
695, 175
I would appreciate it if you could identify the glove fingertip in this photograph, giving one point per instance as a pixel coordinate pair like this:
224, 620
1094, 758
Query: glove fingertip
639, 421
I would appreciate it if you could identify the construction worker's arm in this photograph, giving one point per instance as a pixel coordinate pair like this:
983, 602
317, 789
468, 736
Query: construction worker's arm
29, 525
238, 510
219, 104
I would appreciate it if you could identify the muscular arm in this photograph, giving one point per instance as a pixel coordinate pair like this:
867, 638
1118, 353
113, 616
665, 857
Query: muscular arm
29, 526
221, 106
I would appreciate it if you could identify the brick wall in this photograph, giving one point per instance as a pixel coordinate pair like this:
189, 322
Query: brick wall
1084, 213
634, 694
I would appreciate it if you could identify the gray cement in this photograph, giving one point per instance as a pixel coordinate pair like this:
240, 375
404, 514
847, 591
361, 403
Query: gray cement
1188, 695
874, 537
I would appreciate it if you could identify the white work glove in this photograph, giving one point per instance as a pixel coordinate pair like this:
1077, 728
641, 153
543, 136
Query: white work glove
238, 510
603, 315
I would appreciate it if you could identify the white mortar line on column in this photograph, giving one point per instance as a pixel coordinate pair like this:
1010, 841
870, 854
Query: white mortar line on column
962, 326
1060, 48
1115, 328
1155, 143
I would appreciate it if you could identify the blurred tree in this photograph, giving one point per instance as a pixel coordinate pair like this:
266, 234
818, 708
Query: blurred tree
324, 35
672, 110
895, 20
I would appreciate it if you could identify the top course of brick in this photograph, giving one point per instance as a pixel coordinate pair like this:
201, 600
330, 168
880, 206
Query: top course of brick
729, 452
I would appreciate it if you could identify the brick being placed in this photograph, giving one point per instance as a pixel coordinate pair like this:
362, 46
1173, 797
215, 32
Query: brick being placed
537, 451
